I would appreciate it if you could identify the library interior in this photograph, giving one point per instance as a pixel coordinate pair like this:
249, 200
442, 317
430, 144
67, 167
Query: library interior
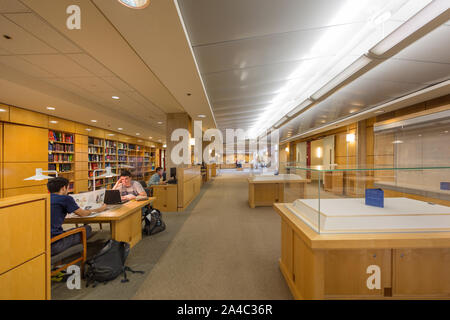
224, 149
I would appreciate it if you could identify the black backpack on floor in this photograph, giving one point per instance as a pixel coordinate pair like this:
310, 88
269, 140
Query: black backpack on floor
109, 263
153, 223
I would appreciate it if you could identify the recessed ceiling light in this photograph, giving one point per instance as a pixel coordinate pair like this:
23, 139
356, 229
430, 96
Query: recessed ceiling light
2, 110
160, 122
87, 129
93, 120
53, 121
135, 4
164, 145
111, 134
115, 97
120, 129
150, 137
138, 134
51, 108
202, 116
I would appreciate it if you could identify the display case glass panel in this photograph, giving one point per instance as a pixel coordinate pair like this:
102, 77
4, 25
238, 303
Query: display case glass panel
371, 198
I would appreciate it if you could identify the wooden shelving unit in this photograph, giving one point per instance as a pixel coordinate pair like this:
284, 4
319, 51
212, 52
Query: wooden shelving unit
111, 160
61, 152
96, 160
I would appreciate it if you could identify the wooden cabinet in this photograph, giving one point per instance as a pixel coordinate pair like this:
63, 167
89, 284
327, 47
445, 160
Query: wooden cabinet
189, 184
338, 266
166, 197
25, 247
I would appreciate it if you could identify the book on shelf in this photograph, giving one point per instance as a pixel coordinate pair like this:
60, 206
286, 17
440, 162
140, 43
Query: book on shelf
60, 157
62, 137
95, 141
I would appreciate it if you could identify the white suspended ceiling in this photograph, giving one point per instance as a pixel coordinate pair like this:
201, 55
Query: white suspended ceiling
263, 57
78, 71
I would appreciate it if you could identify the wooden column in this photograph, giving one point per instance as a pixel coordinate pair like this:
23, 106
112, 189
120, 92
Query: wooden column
176, 121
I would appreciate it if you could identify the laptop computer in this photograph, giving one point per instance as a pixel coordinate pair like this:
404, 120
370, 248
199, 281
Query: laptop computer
113, 197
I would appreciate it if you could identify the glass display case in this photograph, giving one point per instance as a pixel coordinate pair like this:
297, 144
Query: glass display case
371, 199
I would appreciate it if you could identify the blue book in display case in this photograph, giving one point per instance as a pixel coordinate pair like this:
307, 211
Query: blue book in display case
375, 198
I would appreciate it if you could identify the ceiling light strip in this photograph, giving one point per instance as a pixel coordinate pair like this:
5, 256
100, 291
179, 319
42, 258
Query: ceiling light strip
427, 93
430, 17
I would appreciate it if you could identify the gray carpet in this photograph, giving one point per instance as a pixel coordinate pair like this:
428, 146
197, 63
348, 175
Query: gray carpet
224, 250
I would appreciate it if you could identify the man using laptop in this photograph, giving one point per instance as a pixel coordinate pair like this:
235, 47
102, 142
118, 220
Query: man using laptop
156, 178
129, 189
60, 205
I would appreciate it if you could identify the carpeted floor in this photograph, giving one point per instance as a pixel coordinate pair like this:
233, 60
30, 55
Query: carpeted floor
224, 250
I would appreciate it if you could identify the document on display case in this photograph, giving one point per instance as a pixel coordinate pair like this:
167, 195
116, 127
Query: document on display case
90, 200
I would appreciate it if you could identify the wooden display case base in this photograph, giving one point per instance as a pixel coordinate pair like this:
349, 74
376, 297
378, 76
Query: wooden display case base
347, 266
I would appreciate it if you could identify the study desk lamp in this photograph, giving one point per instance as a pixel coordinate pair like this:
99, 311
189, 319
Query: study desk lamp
39, 176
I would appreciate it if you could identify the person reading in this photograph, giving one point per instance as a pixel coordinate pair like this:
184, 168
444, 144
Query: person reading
129, 189
156, 178
60, 205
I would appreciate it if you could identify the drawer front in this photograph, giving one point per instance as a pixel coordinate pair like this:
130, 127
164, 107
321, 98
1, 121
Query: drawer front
22, 227
26, 282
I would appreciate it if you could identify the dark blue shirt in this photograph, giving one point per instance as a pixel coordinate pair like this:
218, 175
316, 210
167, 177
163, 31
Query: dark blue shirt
60, 206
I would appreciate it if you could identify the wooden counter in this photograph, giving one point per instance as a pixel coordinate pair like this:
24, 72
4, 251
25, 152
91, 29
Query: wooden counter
25, 247
126, 223
265, 193
166, 197
334, 266
189, 184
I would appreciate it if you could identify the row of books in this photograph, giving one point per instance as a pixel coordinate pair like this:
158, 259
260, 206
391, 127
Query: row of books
60, 167
95, 141
122, 158
110, 144
95, 150
60, 157
124, 152
110, 158
60, 147
95, 157
60, 137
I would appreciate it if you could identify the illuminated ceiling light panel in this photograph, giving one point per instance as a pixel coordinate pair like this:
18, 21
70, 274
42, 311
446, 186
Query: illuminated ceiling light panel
135, 4
280, 122
341, 77
300, 107
430, 12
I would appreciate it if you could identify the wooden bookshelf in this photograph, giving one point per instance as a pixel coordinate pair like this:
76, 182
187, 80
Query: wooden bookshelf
61, 155
96, 160
111, 160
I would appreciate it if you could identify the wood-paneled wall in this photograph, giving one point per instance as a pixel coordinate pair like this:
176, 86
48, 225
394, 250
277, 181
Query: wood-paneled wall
24, 147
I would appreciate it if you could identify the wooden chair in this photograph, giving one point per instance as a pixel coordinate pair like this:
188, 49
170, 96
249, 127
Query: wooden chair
78, 248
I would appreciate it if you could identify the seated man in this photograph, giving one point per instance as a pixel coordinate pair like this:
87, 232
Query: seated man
60, 205
129, 189
156, 178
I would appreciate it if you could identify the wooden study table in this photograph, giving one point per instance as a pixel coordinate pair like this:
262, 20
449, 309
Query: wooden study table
412, 265
264, 191
125, 220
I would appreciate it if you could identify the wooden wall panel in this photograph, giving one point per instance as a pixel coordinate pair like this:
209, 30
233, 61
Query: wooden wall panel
39, 189
14, 174
22, 116
4, 112
25, 144
61, 125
